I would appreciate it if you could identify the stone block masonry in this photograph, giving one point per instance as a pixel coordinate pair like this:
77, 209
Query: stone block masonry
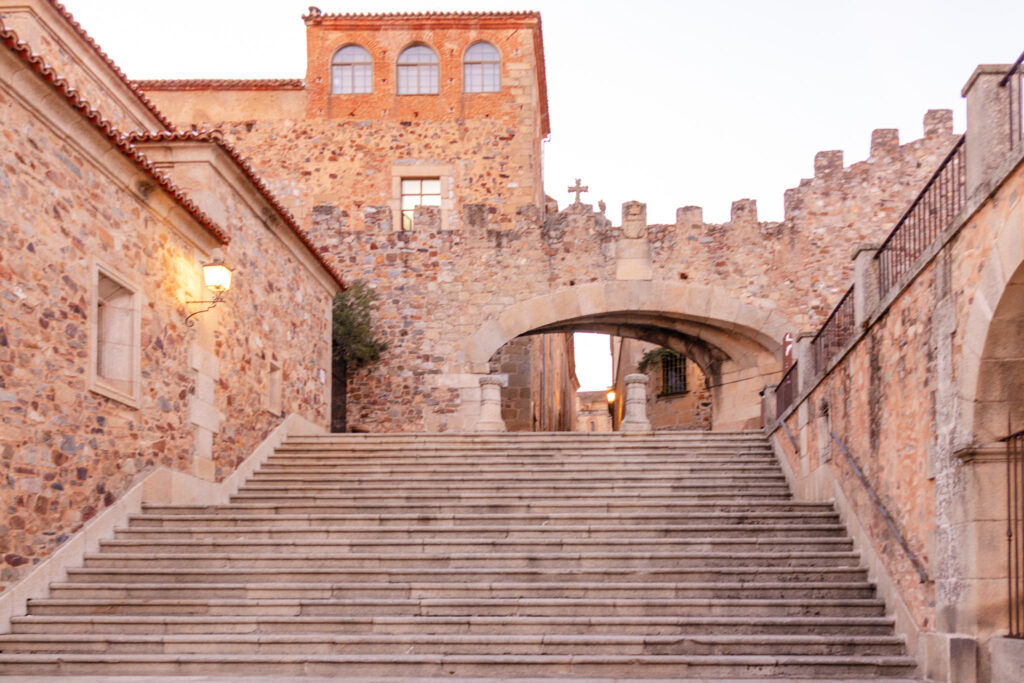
100, 379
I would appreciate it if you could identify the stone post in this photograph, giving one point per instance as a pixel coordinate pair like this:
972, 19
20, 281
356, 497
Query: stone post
865, 279
803, 355
490, 405
635, 419
988, 123
768, 404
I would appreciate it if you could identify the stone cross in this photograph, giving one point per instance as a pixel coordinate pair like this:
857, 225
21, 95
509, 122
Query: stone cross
578, 190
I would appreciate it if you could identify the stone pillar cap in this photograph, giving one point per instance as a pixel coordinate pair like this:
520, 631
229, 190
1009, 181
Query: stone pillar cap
491, 379
636, 378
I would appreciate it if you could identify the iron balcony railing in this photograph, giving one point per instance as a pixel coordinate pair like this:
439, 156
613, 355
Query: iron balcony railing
1015, 531
941, 200
785, 393
1013, 81
835, 334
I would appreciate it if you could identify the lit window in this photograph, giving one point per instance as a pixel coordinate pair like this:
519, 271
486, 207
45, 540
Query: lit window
418, 71
481, 69
351, 71
418, 192
673, 374
115, 338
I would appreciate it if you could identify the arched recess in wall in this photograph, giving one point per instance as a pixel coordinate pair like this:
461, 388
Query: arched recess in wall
992, 362
999, 402
736, 344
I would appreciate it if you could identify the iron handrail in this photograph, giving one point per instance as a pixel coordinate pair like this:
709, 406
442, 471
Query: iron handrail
922, 572
835, 332
1015, 533
949, 203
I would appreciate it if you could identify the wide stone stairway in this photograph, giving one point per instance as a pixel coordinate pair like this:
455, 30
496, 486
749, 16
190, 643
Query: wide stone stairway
677, 556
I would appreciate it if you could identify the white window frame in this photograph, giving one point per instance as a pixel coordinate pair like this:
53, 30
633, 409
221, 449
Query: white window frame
400, 173
481, 66
424, 72
99, 384
353, 67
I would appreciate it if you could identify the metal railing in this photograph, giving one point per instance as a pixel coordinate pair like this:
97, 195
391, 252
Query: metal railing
940, 201
922, 571
1015, 532
836, 333
1013, 81
785, 393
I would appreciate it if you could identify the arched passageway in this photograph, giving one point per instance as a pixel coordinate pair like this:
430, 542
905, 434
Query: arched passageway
736, 344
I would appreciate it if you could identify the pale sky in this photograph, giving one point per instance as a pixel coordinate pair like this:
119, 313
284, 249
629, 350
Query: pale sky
672, 103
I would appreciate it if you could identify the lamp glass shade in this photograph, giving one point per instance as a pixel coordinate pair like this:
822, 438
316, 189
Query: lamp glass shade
610, 396
217, 277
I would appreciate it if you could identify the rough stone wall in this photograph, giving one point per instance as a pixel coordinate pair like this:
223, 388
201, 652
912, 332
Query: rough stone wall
68, 452
541, 388
592, 408
667, 412
514, 360
911, 407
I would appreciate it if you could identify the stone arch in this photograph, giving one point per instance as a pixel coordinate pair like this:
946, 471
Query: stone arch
993, 349
747, 335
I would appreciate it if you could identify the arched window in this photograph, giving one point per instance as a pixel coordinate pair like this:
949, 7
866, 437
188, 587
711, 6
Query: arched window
351, 71
481, 69
418, 71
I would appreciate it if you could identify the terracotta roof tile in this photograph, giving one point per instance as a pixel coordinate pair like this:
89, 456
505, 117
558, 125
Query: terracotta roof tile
164, 121
316, 13
222, 84
216, 137
118, 139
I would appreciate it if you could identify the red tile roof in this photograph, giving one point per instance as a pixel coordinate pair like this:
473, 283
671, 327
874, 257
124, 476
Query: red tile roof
118, 139
164, 121
222, 84
216, 137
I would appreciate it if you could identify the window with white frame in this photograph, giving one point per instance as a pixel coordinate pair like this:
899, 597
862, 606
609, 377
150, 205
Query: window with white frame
481, 69
351, 71
418, 192
418, 71
115, 335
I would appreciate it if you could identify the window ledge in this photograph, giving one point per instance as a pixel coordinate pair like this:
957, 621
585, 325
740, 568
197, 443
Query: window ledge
104, 389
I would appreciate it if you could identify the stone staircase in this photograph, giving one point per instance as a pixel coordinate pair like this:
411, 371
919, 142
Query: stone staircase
503, 556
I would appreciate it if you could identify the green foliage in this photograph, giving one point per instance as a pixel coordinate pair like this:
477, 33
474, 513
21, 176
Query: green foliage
355, 343
655, 356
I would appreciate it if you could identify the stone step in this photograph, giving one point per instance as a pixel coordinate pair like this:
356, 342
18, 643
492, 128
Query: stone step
425, 665
227, 585
485, 545
457, 499
695, 486
317, 467
341, 476
595, 460
779, 519
747, 608
761, 561
454, 644
711, 575
645, 531
554, 506
458, 624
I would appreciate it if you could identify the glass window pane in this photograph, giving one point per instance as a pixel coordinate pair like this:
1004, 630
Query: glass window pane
410, 201
410, 186
431, 200
351, 54
432, 186
418, 54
